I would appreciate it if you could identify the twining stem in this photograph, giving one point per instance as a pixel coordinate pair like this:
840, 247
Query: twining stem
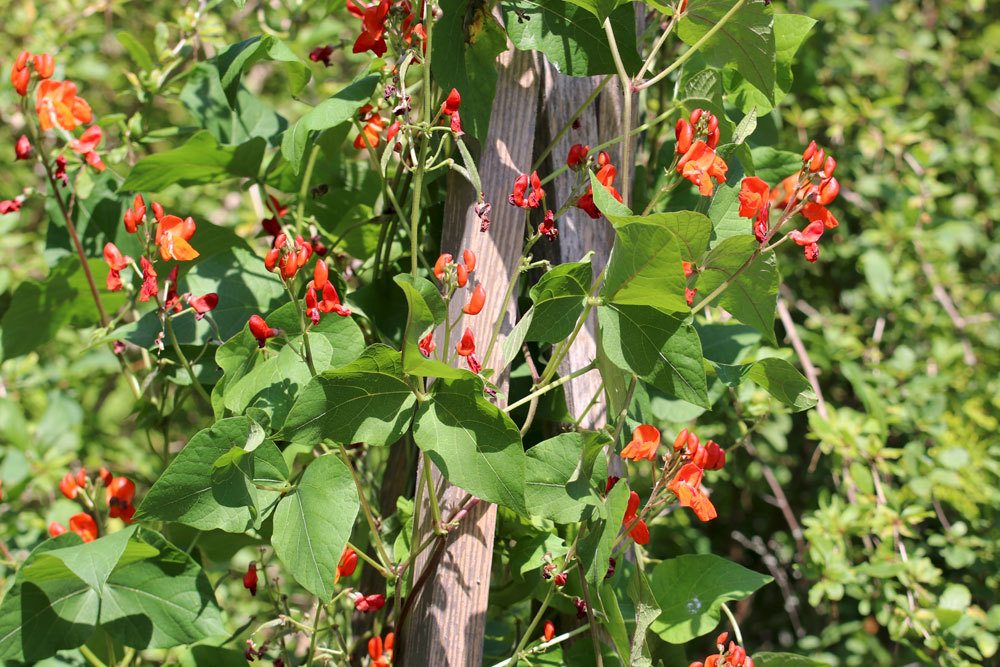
418, 178
531, 628
371, 561
300, 210
195, 383
684, 57
302, 325
569, 122
590, 618
658, 44
736, 626
372, 526
552, 385
432, 495
315, 634
626, 82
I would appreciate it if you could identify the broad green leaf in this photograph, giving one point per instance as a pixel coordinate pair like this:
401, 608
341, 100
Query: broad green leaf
250, 117
595, 547
274, 385
602, 9
39, 619
773, 165
692, 230
724, 211
201, 160
465, 59
426, 309
160, 602
646, 611
790, 30
752, 292
559, 297
645, 268
571, 37
657, 346
726, 343
473, 443
605, 201
236, 59
135, 49
366, 400
690, 590
561, 475
194, 492
313, 523
91, 562
332, 112
745, 40
39, 310
768, 659
783, 381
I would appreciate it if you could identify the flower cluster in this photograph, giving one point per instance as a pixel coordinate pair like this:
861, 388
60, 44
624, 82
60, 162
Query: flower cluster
371, 128
527, 191
697, 138
380, 18
119, 492
809, 192
452, 276
728, 656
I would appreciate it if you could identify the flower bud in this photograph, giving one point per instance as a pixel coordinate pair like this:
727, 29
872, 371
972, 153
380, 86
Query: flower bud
696, 116
809, 151
684, 133
22, 149
816, 163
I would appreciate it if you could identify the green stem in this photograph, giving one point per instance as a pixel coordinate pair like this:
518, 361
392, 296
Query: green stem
659, 43
552, 385
531, 628
626, 82
590, 618
372, 526
432, 496
300, 210
736, 626
371, 561
195, 384
91, 657
302, 325
315, 634
684, 57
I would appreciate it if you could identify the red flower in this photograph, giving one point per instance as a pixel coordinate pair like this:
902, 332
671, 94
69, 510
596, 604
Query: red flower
68, 486
754, 196
817, 213
371, 132
22, 149
105, 475
250, 578
58, 104
348, 563
605, 175
682, 439
172, 236
119, 496
331, 302
549, 632
56, 529
321, 273
473, 364
534, 197
467, 345
149, 287
45, 65
686, 485
9, 206
203, 304
808, 238
322, 54
116, 263
83, 525
367, 603
372, 37
610, 483
638, 532
644, 443
88, 141
136, 215
452, 103
547, 227
469, 258
312, 306
381, 651
708, 457
700, 165
577, 155
476, 301
439, 266
20, 76
427, 345
684, 133
260, 330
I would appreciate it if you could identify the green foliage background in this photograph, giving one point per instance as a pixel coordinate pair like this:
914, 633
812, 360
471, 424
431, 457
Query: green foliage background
895, 489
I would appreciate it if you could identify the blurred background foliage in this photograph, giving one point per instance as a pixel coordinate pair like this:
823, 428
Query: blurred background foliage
877, 514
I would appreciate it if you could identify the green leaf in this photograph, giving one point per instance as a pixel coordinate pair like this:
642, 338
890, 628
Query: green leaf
194, 492
340, 108
313, 523
559, 297
745, 40
645, 266
657, 346
646, 611
602, 9
473, 443
201, 160
465, 59
561, 476
773, 165
596, 545
426, 309
690, 589
571, 37
366, 400
91, 562
768, 659
783, 381
236, 59
273, 385
250, 117
39, 310
752, 294
135, 49
605, 201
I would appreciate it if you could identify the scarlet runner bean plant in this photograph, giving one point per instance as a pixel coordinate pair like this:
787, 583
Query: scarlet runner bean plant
287, 374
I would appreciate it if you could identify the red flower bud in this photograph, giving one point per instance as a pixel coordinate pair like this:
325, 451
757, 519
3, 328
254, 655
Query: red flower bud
680, 440
260, 330
157, 211
347, 565
22, 149
469, 258
828, 192
440, 264
84, 525
321, 274
452, 103
816, 163
713, 138
809, 151
476, 301
684, 134
696, 116
713, 123
829, 167
81, 477
105, 476
203, 304
427, 344
550, 631
577, 155
45, 65
721, 640
461, 275
68, 486
467, 345
271, 258
56, 529
367, 603
250, 578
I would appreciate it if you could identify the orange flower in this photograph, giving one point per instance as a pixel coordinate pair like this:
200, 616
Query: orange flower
645, 441
119, 496
754, 196
427, 345
639, 532
686, 485
381, 651
700, 165
20, 76
781, 195
372, 129
476, 301
87, 144
83, 525
466, 346
818, 213
116, 263
68, 486
348, 563
58, 104
172, 235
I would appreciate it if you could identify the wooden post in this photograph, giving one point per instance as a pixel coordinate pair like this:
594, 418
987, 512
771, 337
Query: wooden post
447, 620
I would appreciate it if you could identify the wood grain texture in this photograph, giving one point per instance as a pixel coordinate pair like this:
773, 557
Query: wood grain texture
447, 622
